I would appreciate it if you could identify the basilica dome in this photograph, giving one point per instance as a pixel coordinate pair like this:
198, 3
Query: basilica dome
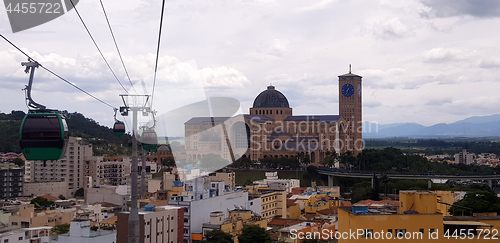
270, 98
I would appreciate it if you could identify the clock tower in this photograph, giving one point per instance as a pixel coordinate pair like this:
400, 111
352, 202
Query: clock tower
350, 107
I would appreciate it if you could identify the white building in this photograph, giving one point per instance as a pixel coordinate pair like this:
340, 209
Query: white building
201, 197
274, 183
79, 232
27, 235
69, 169
464, 157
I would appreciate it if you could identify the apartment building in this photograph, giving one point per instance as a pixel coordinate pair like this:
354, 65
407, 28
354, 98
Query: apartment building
69, 169
107, 170
227, 176
163, 224
11, 181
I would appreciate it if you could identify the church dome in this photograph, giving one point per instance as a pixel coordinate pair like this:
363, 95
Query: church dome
270, 98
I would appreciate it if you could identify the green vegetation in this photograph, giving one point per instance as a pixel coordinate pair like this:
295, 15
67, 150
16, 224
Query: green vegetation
60, 229
41, 202
213, 161
254, 234
218, 236
449, 146
80, 193
394, 160
101, 137
476, 202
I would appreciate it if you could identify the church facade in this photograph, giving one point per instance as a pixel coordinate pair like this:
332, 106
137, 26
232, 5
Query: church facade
272, 130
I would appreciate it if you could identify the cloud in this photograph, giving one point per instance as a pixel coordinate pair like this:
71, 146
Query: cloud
318, 5
492, 62
223, 77
372, 103
441, 54
391, 29
451, 8
437, 101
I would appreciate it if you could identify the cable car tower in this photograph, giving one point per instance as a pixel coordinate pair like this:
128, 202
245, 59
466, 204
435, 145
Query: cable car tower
134, 103
44, 133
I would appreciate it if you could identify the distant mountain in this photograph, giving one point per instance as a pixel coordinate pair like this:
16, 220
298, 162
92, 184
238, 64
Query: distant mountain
476, 126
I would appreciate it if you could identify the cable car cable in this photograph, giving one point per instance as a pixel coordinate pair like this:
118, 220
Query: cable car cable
157, 51
116, 45
46, 69
102, 55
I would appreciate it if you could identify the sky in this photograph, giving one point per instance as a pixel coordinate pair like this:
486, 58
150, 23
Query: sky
423, 61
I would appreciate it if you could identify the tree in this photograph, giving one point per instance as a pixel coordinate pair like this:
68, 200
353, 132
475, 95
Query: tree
348, 160
41, 202
330, 159
216, 236
19, 162
375, 192
80, 192
254, 234
213, 161
385, 179
476, 202
60, 229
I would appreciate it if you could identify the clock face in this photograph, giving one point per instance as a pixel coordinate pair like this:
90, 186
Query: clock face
359, 90
347, 90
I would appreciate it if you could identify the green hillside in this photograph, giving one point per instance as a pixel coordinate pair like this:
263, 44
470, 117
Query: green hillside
101, 137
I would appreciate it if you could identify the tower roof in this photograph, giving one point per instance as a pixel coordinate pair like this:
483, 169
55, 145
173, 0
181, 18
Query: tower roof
349, 74
270, 98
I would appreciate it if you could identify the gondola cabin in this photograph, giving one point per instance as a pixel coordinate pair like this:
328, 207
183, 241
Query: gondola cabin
43, 136
149, 140
119, 128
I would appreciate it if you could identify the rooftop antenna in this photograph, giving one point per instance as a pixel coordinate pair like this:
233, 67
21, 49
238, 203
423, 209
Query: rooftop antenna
349, 68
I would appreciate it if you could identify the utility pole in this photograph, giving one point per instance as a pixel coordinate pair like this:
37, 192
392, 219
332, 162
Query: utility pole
134, 103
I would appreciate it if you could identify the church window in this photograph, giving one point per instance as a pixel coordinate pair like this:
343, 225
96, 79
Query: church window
271, 112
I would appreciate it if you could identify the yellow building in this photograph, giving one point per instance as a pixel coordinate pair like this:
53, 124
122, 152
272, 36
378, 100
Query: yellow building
292, 209
234, 223
382, 227
28, 218
444, 199
273, 203
419, 220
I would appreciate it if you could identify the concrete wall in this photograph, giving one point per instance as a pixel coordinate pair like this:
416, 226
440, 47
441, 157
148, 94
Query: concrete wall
104, 194
154, 185
46, 188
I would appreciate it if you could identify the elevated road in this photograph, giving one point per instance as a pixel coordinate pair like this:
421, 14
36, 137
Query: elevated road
333, 172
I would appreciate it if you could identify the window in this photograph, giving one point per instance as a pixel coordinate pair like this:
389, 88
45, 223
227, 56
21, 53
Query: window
422, 231
20, 238
431, 230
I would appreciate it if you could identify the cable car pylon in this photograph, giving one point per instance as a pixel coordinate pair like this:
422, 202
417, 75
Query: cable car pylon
132, 103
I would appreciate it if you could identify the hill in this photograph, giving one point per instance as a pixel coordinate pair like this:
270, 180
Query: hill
473, 127
101, 137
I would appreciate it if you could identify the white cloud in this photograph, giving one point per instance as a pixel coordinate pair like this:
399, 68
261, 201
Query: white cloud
391, 29
441, 54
